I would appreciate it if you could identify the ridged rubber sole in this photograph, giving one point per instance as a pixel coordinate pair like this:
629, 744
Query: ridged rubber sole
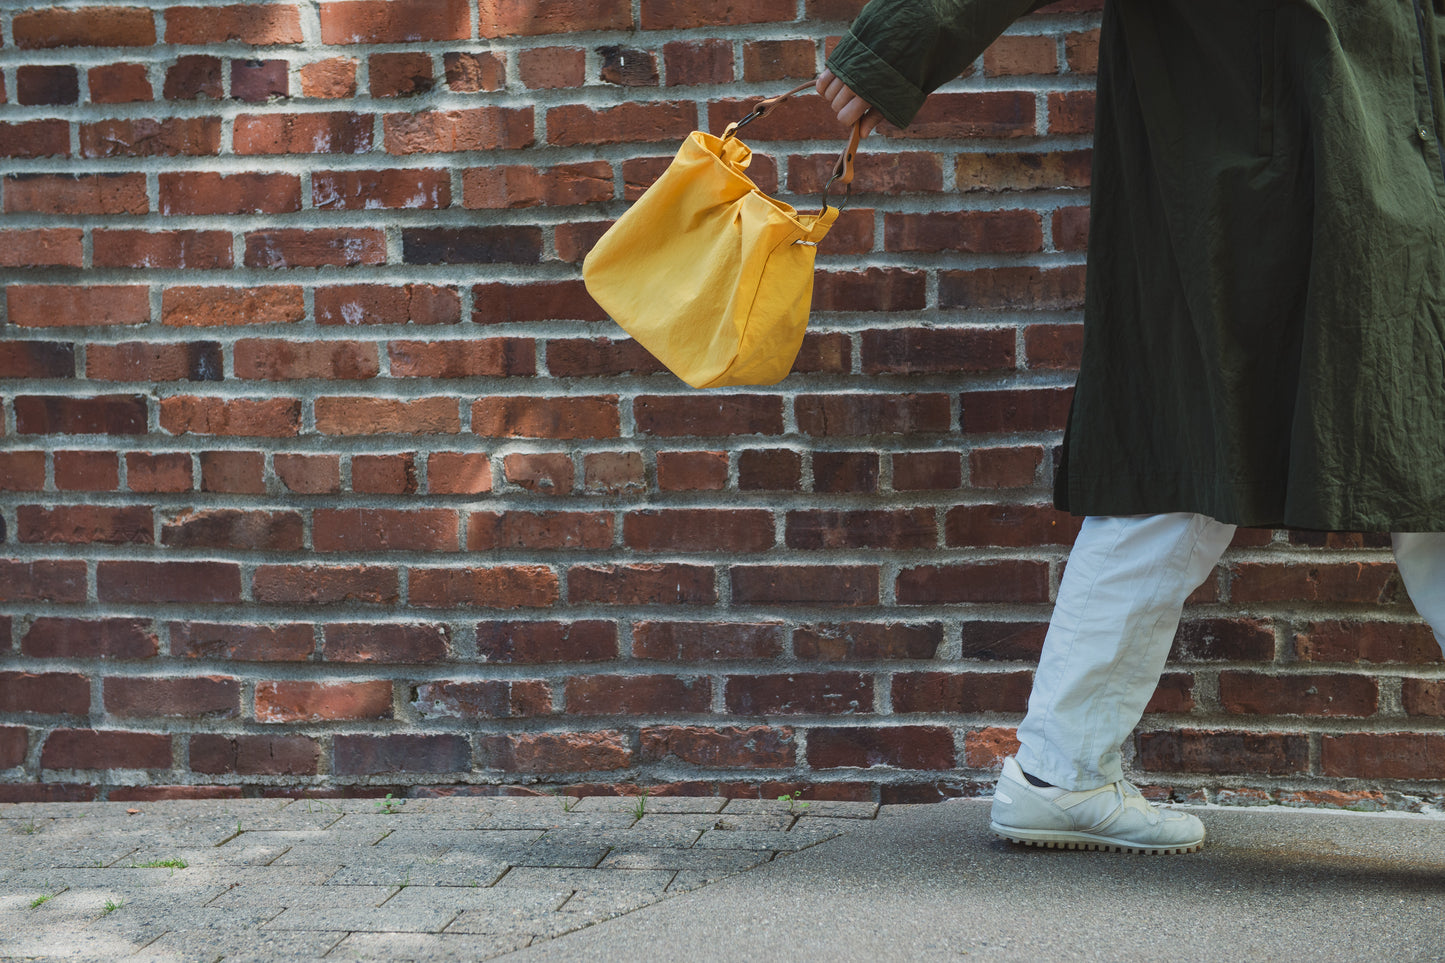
1086, 841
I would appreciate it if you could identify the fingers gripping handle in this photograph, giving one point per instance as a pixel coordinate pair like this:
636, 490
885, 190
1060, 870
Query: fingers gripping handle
842, 170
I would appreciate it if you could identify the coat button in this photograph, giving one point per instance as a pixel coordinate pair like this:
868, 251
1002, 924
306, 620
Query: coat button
1422, 133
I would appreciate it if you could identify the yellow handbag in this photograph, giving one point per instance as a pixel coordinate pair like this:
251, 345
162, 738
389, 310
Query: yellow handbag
707, 272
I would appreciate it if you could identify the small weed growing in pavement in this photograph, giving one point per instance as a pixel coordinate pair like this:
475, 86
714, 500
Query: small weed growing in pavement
390, 805
29, 827
41, 899
794, 801
641, 808
110, 907
174, 863
405, 881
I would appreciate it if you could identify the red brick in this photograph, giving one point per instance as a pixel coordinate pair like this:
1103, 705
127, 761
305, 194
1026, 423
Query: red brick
554, 752
968, 232
730, 747
105, 749
501, 587
301, 701
477, 128
876, 289
458, 473
473, 358
472, 245
275, 359
384, 530
400, 74
501, 530
309, 474
1000, 114
254, 755
849, 585
37, 359
491, 699
201, 250
1174, 694
962, 692
1082, 51
201, 192
387, 416
99, 415
233, 472
259, 81
516, 186
1004, 467
1012, 289
381, 304
900, 747
559, 418
1329, 641
293, 248
231, 528
286, 642
22, 471
91, 27
394, 21
151, 362
42, 581
386, 642
628, 66
1219, 751
44, 693
1071, 112
195, 697
847, 641
520, 303
844, 472
699, 530
551, 68
769, 60
538, 642
46, 84
97, 471
120, 83
58, 638
85, 524
1015, 410
384, 474
613, 472
255, 25
706, 641
1423, 697
541, 474
474, 72
926, 471
337, 132
869, 414
14, 746
356, 190
1385, 755
1224, 640
683, 471
1372, 582
325, 584
885, 529
811, 693
968, 526
366, 754
332, 79
1002, 581
212, 307
1018, 55
693, 62
526, 18
194, 76
35, 138
235, 417
55, 247
657, 584
171, 137
708, 416
76, 194
152, 582
55, 305
937, 350
1328, 696
608, 695
1014, 171
575, 125
1070, 228
777, 469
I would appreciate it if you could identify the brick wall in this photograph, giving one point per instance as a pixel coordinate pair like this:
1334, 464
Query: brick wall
321, 470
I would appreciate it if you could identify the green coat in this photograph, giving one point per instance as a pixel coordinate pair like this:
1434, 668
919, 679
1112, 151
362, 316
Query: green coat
1264, 324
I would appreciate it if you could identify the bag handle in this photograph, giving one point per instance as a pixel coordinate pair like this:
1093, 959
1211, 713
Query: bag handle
842, 170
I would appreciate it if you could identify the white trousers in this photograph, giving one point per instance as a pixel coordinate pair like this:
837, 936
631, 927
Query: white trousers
1118, 609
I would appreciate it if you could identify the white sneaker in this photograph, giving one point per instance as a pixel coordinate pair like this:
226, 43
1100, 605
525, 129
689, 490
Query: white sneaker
1114, 818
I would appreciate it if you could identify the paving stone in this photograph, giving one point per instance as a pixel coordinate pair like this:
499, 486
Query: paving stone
472, 840
209, 946
309, 897
112, 878
307, 837
557, 819
716, 863
413, 822
775, 840
422, 948
561, 854
176, 898
287, 820
359, 804
68, 942
655, 804
727, 821
758, 806
228, 855
383, 919
674, 836
80, 853
444, 870
837, 809
641, 880
598, 905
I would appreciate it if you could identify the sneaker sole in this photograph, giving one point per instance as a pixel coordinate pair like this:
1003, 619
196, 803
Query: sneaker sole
1087, 841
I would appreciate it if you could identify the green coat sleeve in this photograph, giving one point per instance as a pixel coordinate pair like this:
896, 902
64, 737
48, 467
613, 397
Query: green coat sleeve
899, 51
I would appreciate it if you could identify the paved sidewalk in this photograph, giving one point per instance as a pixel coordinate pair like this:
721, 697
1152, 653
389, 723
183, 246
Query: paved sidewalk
540, 879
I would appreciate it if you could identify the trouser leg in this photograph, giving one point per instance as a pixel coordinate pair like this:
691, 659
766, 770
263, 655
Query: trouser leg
1118, 609
1421, 558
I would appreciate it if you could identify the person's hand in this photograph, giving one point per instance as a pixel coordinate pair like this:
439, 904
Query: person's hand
848, 105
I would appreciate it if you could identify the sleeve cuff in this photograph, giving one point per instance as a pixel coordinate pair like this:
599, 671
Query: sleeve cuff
874, 79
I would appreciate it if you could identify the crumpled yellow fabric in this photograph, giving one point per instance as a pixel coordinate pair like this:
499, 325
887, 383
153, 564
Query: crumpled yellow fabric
707, 272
